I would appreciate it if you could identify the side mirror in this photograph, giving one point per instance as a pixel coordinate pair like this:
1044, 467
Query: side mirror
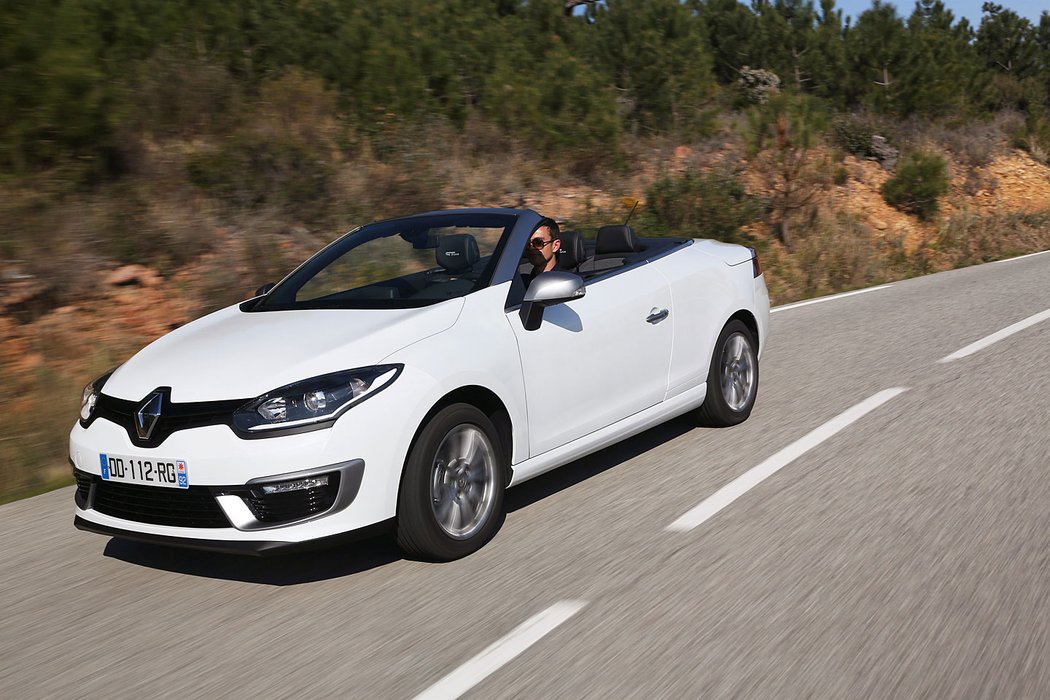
265, 289
549, 289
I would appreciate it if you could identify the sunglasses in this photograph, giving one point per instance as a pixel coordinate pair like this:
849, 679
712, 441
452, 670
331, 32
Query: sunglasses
539, 243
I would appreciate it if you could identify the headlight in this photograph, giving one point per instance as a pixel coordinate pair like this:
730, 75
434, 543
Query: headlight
313, 403
89, 398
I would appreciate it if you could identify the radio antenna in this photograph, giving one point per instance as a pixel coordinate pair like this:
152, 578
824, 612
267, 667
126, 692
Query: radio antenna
632, 211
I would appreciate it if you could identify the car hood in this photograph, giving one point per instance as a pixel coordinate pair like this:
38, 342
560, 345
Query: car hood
233, 354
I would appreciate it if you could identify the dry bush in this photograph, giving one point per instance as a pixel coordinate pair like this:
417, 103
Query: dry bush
297, 105
43, 368
974, 144
967, 239
1007, 122
179, 96
979, 181
833, 253
378, 190
284, 159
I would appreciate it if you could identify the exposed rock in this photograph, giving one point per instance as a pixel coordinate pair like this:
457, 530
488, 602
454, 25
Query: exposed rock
132, 274
884, 153
758, 85
879, 224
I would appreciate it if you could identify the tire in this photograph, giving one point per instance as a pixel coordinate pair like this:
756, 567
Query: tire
732, 379
451, 498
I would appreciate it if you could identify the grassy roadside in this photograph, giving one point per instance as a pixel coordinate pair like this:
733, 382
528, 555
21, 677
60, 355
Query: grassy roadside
37, 490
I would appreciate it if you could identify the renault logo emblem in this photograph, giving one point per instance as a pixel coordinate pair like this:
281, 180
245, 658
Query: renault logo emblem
146, 418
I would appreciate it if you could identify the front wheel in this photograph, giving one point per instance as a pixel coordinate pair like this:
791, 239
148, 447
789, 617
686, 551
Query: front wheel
451, 499
732, 379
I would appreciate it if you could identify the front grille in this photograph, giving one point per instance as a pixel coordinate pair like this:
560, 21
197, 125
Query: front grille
174, 416
292, 505
192, 507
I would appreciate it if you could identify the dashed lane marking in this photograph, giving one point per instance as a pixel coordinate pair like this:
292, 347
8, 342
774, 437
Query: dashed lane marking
502, 651
756, 475
996, 337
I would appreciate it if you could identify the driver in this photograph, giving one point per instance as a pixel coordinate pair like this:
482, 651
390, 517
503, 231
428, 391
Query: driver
542, 250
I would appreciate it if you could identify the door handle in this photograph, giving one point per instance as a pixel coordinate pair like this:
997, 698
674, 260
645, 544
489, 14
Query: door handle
657, 316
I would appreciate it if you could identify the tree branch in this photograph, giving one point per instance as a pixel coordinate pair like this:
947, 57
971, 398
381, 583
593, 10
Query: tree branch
570, 5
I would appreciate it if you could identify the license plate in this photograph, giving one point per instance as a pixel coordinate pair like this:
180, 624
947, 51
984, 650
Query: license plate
171, 473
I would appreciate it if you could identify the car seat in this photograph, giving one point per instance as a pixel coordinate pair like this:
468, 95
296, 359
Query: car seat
572, 253
611, 249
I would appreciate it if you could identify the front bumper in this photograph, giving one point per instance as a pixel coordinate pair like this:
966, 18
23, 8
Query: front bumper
247, 508
377, 433
258, 548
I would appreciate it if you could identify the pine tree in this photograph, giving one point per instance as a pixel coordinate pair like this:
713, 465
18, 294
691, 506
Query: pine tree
658, 58
939, 63
730, 30
876, 51
826, 61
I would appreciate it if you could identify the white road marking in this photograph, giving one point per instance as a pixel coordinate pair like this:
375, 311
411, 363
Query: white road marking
797, 304
1021, 257
997, 336
499, 653
754, 476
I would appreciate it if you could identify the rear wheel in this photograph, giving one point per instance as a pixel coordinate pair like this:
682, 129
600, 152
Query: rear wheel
732, 379
451, 499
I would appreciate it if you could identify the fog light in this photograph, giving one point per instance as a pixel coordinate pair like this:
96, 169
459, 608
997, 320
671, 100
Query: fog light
298, 485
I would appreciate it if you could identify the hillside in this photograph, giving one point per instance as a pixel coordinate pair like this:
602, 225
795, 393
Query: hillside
155, 166
48, 352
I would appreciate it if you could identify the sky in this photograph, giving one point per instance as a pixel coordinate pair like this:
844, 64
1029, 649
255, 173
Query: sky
970, 9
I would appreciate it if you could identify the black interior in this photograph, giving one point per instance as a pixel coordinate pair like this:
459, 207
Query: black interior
572, 252
460, 267
621, 249
457, 253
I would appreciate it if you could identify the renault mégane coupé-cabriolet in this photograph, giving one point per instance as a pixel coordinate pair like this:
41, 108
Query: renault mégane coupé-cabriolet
405, 376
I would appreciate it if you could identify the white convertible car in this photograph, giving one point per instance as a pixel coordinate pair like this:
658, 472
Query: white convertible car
405, 376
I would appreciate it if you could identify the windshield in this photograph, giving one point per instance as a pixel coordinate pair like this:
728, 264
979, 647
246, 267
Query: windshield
397, 264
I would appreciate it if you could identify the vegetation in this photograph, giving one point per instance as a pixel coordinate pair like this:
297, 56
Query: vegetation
921, 180
710, 205
220, 142
88, 80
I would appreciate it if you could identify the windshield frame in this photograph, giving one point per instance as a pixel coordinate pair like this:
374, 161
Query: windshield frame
282, 296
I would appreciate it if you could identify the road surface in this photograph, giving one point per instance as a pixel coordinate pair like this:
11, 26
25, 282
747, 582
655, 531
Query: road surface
880, 527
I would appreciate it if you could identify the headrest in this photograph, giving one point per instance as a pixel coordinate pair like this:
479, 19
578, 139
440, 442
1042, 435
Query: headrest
615, 239
572, 252
457, 252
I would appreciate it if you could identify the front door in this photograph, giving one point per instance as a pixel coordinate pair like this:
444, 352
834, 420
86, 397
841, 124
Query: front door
597, 359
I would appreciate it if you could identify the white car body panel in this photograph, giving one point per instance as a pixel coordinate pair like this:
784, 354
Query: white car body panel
476, 352
595, 372
231, 354
609, 435
705, 297
595, 360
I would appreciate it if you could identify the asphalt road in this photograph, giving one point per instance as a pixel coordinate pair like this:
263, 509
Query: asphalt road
905, 555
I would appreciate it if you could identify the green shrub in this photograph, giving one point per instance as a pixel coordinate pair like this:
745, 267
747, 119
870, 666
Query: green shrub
920, 181
708, 205
1034, 137
250, 171
854, 135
